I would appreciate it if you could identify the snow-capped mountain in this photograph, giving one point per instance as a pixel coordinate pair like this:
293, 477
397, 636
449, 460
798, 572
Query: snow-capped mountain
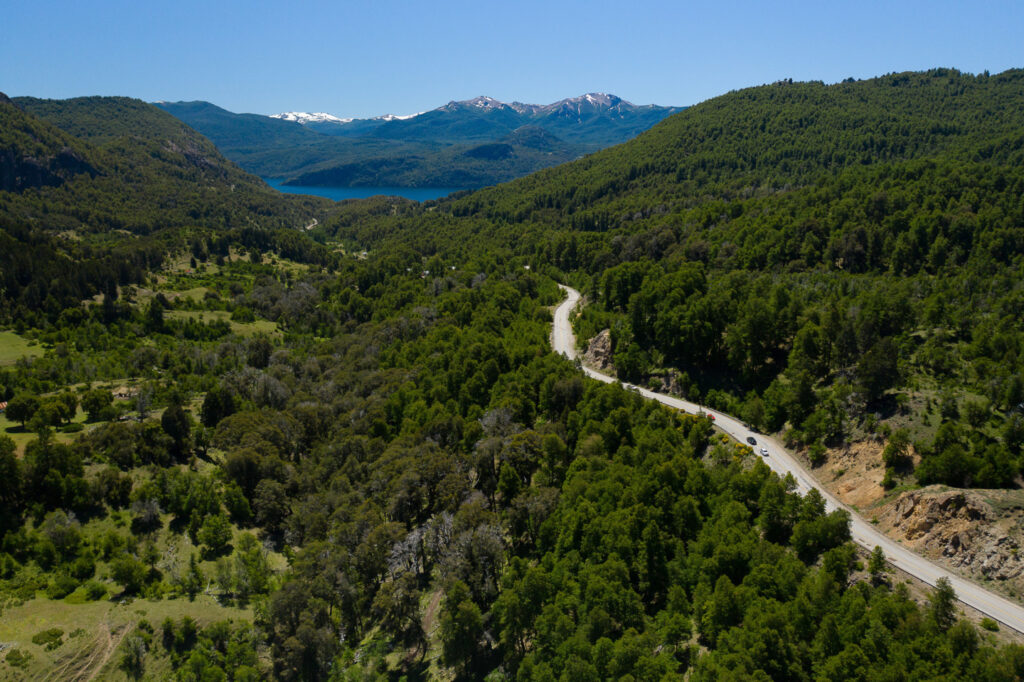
592, 100
578, 108
305, 118
481, 102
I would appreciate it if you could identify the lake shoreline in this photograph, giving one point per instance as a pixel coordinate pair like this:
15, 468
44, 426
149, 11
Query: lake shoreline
343, 193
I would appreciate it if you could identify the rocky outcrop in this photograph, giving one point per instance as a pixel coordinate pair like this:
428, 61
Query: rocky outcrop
194, 154
672, 383
599, 351
961, 530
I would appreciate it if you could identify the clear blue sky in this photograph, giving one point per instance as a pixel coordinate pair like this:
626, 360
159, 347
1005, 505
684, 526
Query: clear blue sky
364, 58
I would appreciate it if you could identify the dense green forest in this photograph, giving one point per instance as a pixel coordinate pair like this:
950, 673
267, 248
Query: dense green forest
349, 453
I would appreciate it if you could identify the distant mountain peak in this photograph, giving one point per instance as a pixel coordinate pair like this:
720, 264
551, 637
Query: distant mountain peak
595, 100
481, 102
304, 117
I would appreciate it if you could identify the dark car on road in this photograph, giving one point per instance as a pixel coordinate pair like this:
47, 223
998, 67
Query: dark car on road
750, 439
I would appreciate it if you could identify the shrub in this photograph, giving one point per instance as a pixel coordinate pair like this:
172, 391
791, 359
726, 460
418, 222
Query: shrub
83, 568
17, 658
62, 586
49, 639
816, 454
95, 590
129, 572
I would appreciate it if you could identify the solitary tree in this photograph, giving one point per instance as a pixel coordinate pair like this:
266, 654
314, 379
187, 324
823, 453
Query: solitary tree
877, 566
193, 581
215, 534
22, 408
942, 604
96, 402
178, 426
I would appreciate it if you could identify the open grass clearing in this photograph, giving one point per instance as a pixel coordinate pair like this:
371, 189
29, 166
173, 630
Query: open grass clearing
241, 328
98, 629
23, 435
14, 347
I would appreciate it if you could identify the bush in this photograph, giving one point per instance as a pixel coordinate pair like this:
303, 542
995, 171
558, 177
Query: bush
215, 534
62, 586
49, 639
243, 314
8, 566
816, 454
17, 658
129, 572
83, 568
989, 624
95, 590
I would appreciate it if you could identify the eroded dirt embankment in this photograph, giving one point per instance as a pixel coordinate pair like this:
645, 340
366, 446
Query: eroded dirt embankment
977, 534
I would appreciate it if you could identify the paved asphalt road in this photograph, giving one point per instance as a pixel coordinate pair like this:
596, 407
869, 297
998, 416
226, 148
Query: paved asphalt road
782, 462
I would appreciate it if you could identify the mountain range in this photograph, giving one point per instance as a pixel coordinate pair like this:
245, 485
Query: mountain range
470, 143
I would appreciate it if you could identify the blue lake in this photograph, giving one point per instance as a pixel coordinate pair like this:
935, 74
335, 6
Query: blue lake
340, 193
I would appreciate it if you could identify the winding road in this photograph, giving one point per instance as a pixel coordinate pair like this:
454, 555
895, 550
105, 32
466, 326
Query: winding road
782, 462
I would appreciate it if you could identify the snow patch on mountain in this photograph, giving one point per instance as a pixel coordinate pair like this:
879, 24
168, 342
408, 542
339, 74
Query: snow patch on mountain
395, 117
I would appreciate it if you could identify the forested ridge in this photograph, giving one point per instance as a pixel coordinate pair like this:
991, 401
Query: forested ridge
364, 444
99, 190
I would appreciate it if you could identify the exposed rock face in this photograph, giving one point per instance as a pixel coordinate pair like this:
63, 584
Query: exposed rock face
194, 154
599, 351
960, 529
671, 384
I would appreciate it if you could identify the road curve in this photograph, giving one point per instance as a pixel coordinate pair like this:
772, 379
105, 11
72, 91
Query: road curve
782, 462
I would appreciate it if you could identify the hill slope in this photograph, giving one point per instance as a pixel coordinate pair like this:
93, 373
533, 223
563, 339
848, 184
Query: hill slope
122, 182
792, 134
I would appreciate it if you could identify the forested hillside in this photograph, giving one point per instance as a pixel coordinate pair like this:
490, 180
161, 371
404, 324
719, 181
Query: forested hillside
822, 257
101, 189
356, 458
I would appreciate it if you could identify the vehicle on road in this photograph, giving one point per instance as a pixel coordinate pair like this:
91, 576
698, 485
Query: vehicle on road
750, 439
764, 452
